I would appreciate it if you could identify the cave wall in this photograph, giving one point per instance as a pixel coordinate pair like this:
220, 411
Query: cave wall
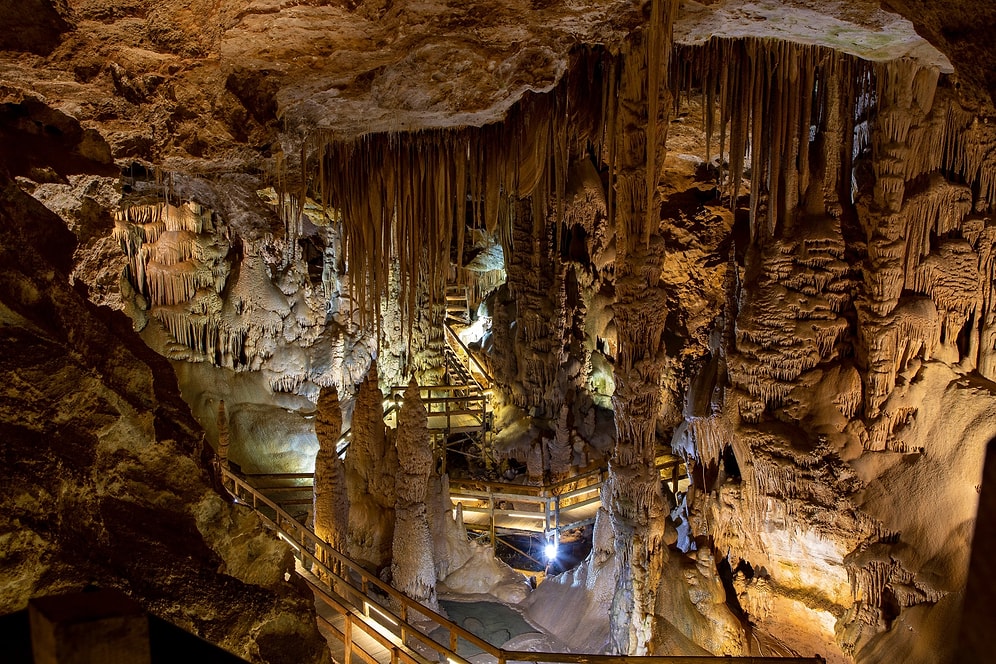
106, 476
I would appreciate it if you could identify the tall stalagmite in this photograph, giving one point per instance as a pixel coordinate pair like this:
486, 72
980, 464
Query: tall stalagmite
223, 436
413, 570
370, 478
331, 505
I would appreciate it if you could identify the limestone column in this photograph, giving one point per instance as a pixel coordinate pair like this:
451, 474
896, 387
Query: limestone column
370, 478
632, 495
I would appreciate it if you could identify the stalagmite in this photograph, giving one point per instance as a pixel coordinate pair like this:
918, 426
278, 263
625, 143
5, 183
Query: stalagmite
330, 503
223, 438
412, 568
371, 465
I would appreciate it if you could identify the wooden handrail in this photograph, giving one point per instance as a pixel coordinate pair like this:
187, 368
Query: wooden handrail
470, 356
366, 578
510, 490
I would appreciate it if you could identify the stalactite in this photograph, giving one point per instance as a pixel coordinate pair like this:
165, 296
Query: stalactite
413, 570
173, 247
772, 94
424, 179
288, 383
173, 284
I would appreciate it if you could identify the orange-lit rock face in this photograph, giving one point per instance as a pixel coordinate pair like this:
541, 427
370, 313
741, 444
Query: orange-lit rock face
785, 277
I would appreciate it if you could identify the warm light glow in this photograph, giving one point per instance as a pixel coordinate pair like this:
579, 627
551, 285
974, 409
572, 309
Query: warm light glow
384, 618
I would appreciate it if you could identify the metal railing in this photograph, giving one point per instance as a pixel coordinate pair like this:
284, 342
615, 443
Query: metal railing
385, 615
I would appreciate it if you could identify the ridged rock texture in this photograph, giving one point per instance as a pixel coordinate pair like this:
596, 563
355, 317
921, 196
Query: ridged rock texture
754, 235
371, 485
413, 571
330, 508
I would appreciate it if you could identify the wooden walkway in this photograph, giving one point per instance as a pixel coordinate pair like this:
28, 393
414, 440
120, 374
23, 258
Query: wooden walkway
505, 508
371, 622
365, 620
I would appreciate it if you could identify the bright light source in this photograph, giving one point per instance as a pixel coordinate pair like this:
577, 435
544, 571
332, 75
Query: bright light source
551, 551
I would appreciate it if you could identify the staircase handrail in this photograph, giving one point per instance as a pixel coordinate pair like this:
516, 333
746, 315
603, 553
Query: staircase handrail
451, 334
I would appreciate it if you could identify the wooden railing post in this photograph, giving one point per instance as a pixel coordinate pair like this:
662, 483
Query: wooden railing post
347, 642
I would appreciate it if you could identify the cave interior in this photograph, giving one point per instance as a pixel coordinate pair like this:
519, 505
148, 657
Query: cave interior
624, 327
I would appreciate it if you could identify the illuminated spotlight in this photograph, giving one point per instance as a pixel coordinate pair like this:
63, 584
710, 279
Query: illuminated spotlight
551, 551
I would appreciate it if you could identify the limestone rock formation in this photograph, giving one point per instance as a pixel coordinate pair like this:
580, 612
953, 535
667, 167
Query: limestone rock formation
413, 571
330, 506
371, 485
106, 479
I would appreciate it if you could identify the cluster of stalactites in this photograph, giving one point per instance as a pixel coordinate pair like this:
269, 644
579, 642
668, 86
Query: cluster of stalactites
222, 344
166, 259
400, 193
786, 113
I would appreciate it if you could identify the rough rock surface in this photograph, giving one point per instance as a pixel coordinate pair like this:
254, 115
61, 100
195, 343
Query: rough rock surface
413, 570
330, 506
105, 480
